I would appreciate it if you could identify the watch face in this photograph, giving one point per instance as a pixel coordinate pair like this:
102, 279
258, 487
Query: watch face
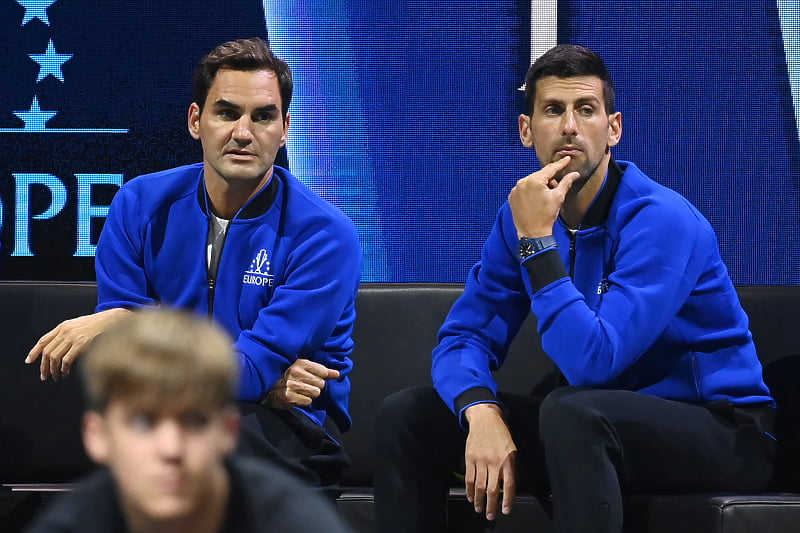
526, 249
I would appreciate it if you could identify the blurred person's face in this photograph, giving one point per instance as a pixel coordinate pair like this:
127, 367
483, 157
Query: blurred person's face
166, 467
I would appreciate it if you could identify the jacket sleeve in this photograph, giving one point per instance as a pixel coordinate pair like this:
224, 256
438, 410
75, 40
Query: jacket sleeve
662, 250
119, 263
310, 314
474, 339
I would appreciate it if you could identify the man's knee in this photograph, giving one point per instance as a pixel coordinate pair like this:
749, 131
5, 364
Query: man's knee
571, 412
406, 412
408, 403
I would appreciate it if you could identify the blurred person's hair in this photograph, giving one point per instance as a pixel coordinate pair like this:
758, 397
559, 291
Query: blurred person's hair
161, 360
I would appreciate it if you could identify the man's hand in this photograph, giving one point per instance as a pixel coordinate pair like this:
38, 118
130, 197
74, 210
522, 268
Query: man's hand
302, 382
60, 347
536, 199
490, 456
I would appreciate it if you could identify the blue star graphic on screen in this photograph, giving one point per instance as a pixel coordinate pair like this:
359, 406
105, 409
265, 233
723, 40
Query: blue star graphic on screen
35, 118
35, 9
50, 62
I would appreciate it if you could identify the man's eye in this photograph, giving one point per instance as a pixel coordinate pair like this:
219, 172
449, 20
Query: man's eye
194, 420
228, 114
586, 111
262, 117
552, 111
141, 422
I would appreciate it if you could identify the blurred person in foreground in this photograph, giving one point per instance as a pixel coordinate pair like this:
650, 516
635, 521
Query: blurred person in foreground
161, 420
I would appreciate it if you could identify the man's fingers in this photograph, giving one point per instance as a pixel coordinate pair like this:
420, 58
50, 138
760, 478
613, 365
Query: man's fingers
55, 369
560, 163
290, 398
550, 170
295, 398
300, 385
566, 182
67, 360
480, 489
305, 389
469, 481
509, 485
34, 354
315, 369
501, 488
492, 494
547, 173
311, 372
40, 345
50, 365
44, 368
296, 377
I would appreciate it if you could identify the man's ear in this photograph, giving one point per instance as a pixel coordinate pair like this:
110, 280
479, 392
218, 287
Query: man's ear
95, 437
614, 128
193, 120
525, 133
287, 121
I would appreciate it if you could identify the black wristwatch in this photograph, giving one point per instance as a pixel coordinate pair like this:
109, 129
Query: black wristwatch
530, 245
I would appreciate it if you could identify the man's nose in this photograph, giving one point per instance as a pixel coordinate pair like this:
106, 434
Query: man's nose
242, 129
569, 125
169, 438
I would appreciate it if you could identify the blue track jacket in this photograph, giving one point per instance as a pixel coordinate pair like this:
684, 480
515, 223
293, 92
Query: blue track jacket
284, 289
636, 299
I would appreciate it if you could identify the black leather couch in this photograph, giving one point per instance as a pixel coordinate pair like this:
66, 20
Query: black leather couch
395, 331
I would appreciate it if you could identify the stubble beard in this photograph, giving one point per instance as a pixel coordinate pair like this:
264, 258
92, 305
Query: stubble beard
585, 171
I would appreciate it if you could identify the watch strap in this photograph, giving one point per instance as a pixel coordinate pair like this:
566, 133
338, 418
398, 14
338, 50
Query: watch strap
529, 246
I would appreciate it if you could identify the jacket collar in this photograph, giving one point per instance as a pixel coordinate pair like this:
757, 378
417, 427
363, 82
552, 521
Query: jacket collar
597, 213
255, 207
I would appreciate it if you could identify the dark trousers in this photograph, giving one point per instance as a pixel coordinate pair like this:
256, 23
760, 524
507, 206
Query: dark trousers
585, 447
290, 439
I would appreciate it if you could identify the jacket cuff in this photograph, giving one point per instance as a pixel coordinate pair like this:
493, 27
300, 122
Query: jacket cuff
470, 397
544, 268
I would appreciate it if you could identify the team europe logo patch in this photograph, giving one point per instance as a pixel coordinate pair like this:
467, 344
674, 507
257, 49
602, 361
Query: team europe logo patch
259, 272
603, 286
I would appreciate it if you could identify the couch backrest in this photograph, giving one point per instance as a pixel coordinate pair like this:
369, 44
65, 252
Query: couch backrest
394, 334
39, 421
396, 330
397, 325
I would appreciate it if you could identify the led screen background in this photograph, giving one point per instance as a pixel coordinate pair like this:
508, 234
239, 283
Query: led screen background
404, 115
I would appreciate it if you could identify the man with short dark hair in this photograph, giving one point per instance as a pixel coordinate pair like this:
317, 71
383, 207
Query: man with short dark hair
244, 242
662, 389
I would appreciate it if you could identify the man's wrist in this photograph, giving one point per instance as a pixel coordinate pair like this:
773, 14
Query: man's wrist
482, 409
266, 401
